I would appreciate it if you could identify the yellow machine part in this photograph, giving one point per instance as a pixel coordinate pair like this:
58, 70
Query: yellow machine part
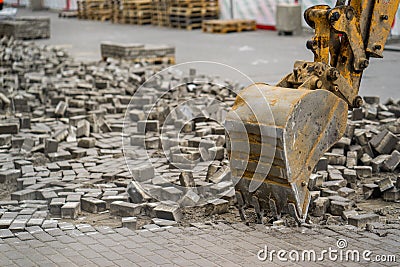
275, 138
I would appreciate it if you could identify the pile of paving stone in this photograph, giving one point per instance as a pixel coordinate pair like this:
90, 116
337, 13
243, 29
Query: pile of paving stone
61, 153
60, 139
26, 28
149, 53
362, 165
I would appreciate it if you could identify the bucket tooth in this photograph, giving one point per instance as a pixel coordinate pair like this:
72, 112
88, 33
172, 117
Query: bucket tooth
275, 138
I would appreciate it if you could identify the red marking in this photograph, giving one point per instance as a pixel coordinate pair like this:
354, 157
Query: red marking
266, 27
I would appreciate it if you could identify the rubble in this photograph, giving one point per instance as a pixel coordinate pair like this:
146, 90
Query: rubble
357, 164
64, 131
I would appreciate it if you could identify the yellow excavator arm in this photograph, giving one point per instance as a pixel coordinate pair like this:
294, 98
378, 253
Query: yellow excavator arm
277, 134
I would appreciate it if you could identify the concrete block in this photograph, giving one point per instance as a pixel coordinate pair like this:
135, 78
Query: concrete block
335, 185
23, 195
125, 209
320, 206
349, 213
363, 171
371, 191
384, 142
9, 128
148, 126
5, 139
61, 108
385, 184
55, 206
50, 146
186, 179
168, 212
361, 220
87, 142
9, 176
171, 193
70, 210
337, 207
83, 128
163, 222
143, 173
93, 205
351, 160
347, 192
129, 222
391, 163
392, 195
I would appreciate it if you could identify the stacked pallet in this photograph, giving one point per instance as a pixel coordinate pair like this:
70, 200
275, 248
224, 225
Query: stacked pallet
160, 15
147, 54
225, 26
95, 9
189, 14
133, 11
26, 28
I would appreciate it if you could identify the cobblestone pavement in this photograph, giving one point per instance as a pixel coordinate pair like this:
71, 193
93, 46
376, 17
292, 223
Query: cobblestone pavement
203, 245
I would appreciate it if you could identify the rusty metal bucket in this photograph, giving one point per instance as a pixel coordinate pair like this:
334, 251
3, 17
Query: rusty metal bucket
275, 138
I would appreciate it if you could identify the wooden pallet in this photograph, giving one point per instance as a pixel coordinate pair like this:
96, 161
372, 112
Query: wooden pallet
184, 26
130, 20
225, 26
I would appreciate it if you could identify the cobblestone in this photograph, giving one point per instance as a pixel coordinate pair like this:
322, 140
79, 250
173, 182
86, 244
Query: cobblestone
214, 246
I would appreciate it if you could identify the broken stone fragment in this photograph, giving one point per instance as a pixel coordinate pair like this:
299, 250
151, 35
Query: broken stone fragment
136, 193
216, 206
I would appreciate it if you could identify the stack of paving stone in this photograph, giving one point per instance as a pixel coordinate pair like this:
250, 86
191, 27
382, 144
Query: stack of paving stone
26, 28
148, 54
364, 164
60, 140
189, 14
133, 11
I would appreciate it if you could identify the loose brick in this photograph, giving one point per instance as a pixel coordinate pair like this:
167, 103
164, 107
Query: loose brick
362, 220
125, 209
70, 210
168, 212
9, 128
93, 205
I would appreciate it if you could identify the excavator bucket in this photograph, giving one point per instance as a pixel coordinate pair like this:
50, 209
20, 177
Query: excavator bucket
275, 138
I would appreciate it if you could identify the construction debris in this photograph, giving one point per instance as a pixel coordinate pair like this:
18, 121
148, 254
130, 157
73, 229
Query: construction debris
62, 123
